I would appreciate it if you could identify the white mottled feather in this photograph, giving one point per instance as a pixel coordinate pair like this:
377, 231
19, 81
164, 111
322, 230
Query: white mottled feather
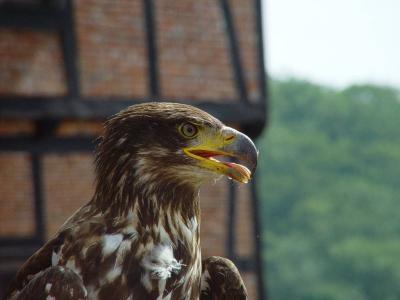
111, 242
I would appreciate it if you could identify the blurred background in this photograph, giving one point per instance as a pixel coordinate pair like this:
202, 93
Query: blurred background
330, 163
320, 220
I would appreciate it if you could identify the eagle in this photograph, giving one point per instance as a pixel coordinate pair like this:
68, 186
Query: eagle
139, 235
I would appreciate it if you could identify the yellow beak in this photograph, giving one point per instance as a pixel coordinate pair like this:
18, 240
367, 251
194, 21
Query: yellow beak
231, 144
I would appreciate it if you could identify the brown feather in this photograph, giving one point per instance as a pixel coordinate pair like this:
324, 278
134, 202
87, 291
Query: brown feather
221, 280
53, 283
139, 235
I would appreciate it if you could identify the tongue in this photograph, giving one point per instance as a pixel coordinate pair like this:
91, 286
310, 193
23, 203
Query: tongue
238, 172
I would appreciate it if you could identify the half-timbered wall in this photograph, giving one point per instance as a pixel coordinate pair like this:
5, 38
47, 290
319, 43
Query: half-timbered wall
66, 65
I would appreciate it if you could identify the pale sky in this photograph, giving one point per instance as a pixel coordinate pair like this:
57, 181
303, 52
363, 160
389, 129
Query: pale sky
333, 42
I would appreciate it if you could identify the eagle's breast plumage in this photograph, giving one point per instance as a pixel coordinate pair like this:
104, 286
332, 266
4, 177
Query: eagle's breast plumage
121, 258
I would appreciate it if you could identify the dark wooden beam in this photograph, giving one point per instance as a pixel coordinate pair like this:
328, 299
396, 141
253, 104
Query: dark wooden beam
60, 107
37, 175
150, 26
255, 128
46, 127
10, 242
260, 264
244, 264
68, 43
38, 17
100, 108
262, 78
233, 45
257, 229
47, 145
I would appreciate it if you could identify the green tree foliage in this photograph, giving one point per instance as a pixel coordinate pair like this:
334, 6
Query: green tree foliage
330, 189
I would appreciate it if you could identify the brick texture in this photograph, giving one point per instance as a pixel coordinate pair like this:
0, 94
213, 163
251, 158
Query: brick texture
70, 128
16, 127
112, 47
214, 218
68, 184
244, 222
245, 28
250, 280
193, 54
30, 63
16, 195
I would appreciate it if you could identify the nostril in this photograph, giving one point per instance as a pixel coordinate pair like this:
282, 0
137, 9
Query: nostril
229, 138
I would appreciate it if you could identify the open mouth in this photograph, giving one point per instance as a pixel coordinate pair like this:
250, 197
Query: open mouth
217, 161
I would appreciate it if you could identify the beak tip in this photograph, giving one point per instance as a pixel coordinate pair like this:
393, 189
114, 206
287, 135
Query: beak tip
244, 150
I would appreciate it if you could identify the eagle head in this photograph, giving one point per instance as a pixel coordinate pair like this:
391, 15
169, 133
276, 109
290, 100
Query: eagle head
155, 145
179, 140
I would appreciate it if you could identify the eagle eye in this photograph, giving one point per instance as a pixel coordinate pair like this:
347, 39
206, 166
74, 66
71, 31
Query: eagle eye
188, 130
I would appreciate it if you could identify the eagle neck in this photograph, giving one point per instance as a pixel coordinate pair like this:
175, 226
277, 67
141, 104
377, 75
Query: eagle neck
148, 199
154, 206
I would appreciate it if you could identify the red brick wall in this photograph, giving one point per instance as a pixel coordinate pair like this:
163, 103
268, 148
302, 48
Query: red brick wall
16, 194
16, 127
245, 26
214, 208
244, 222
30, 63
194, 58
112, 47
193, 52
70, 128
68, 184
